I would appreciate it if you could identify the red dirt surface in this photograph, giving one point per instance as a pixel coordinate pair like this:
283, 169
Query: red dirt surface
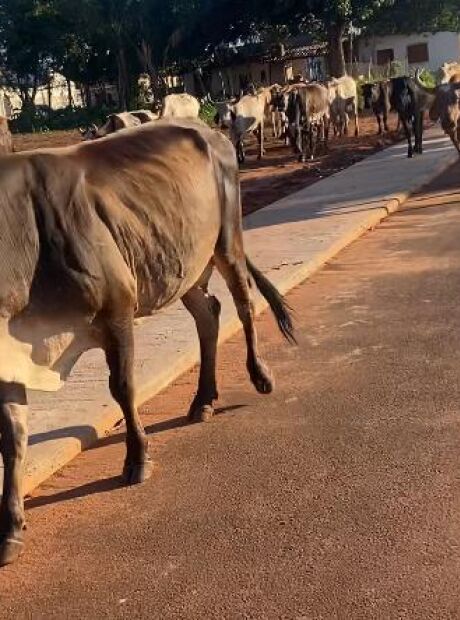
335, 497
279, 174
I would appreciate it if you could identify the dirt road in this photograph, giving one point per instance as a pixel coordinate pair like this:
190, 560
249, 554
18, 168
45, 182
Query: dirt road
336, 497
279, 174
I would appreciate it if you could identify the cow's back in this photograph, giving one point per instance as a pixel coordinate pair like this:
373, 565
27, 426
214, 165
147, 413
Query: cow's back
157, 188
135, 215
180, 106
346, 87
315, 99
50, 276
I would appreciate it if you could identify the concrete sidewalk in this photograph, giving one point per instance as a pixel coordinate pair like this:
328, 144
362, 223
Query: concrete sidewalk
288, 240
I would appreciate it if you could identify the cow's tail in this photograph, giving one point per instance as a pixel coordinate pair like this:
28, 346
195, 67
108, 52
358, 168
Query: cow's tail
276, 302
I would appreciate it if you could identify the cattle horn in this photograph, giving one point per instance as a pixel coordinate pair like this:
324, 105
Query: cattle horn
421, 85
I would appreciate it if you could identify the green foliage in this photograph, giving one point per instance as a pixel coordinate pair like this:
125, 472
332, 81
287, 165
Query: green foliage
428, 78
406, 16
43, 119
114, 41
27, 43
208, 113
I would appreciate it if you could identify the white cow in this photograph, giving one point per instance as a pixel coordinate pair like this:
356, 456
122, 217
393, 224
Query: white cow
343, 99
450, 72
247, 115
180, 105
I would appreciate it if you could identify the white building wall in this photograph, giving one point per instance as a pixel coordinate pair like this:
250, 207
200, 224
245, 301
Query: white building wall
442, 46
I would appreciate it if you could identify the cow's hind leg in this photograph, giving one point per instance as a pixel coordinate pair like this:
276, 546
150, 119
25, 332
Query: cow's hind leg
205, 311
119, 352
232, 266
13, 432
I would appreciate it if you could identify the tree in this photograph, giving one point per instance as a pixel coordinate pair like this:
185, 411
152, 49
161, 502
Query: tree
406, 16
336, 17
28, 32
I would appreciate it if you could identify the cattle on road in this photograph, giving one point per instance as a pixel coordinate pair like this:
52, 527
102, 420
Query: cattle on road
96, 235
180, 105
445, 108
308, 115
223, 116
120, 120
377, 97
411, 102
343, 98
249, 114
114, 122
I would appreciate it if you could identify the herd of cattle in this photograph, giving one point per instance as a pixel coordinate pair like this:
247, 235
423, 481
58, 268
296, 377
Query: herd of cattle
97, 234
302, 114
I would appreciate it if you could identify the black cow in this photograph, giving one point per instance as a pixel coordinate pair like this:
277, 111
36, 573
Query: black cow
410, 102
377, 98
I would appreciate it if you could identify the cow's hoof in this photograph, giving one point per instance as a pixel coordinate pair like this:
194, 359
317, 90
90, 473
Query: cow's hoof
10, 550
136, 473
260, 377
201, 413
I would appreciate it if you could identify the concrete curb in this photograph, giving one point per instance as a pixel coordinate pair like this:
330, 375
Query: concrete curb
51, 455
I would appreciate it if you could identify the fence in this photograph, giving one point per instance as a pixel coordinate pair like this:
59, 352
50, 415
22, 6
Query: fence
370, 71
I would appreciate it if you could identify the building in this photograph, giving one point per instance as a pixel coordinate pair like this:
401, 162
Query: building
55, 95
227, 75
427, 50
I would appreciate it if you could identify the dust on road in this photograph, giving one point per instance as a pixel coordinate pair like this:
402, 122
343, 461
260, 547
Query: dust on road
337, 496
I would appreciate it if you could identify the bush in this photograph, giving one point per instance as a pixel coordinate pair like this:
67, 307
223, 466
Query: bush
208, 112
42, 118
428, 78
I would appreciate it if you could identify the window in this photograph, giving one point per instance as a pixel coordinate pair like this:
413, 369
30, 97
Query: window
417, 53
385, 56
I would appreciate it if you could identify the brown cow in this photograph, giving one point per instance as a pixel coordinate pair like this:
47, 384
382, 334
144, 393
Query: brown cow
100, 233
308, 114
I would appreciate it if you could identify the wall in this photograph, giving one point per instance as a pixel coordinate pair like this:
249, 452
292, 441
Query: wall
442, 46
259, 73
